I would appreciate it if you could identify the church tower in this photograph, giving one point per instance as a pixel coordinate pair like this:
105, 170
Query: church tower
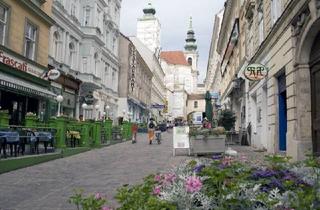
148, 29
191, 53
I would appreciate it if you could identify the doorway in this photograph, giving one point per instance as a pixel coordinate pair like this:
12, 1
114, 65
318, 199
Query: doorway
315, 94
282, 99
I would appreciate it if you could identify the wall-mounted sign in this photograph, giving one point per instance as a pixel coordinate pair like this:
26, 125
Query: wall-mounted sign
89, 99
53, 74
157, 106
255, 72
214, 95
19, 64
233, 39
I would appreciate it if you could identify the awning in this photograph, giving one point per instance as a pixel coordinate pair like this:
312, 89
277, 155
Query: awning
23, 87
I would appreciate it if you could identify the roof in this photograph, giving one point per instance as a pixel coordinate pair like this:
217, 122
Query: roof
174, 57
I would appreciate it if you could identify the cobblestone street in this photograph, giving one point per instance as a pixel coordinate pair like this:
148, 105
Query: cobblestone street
48, 186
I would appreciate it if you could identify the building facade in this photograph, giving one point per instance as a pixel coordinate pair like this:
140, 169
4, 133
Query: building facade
24, 39
136, 83
282, 35
84, 46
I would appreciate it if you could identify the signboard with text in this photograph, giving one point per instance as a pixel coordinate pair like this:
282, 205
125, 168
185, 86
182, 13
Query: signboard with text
19, 64
181, 138
255, 72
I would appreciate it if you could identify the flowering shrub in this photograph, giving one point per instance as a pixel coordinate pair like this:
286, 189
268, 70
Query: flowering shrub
91, 202
225, 183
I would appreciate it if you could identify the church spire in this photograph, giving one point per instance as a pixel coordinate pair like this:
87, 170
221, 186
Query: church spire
191, 40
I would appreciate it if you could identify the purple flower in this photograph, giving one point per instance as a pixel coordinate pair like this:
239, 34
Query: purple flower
157, 190
105, 208
217, 157
275, 183
98, 196
199, 168
227, 161
263, 174
193, 184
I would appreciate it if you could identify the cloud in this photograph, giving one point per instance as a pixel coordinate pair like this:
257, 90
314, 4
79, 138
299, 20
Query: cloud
174, 18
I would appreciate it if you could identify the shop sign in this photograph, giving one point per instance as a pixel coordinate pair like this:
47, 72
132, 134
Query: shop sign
19, 64
53, 74
214, 95
157, 106
255, 72
89, 99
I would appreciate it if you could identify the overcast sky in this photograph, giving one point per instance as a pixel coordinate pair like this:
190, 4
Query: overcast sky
174, 18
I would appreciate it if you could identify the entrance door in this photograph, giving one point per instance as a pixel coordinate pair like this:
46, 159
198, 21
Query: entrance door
282, 113
315, 94
315, 84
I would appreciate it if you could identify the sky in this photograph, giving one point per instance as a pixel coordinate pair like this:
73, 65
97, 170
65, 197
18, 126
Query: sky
174, 18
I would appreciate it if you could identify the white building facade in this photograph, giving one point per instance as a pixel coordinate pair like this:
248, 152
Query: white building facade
84, 45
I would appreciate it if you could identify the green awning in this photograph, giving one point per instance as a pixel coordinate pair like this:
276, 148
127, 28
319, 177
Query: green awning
20, 86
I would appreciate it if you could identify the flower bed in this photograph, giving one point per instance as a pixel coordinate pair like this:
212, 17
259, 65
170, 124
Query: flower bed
227, 183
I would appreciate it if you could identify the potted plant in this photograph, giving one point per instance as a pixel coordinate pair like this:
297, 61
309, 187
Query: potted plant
207, 141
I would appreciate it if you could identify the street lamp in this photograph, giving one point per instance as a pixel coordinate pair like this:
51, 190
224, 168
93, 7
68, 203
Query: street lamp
59, 100
84, 107
107, 111
97, 112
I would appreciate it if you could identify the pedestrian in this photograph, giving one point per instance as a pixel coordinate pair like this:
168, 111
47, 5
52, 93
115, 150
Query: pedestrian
151, 128
134, 130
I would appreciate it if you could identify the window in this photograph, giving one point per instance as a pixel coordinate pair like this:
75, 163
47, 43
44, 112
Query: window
107, 38
87, 16
114, 44
96, 63
106, 73
260, 23
3, 23
73, 8
195, 104
71, 58
99, 19
56, 45
84, 64
275, 10
190, 61
30, 41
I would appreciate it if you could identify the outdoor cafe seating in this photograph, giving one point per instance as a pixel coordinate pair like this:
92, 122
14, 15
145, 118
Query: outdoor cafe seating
17, 138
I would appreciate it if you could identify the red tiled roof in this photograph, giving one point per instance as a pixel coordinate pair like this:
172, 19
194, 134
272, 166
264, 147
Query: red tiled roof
174, 57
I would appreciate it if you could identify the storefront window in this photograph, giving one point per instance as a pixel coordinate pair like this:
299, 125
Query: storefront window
30, 41
3, 23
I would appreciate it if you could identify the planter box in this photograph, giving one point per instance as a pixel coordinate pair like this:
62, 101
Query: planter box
213, 144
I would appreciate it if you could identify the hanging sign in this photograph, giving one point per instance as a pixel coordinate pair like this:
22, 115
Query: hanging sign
53, 74
255, 72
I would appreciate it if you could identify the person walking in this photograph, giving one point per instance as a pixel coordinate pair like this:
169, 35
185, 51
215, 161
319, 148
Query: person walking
151, 128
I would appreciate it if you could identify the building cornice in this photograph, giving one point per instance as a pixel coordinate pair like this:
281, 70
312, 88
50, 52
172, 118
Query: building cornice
37, 11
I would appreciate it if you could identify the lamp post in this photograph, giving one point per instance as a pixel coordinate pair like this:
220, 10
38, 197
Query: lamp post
84, 107
59, 100
97, 111
107, 111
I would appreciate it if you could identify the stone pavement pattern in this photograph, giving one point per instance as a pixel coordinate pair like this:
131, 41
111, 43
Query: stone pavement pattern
49, 185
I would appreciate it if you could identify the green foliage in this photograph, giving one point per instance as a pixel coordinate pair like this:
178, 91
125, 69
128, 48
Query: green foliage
227, 119
277, 162
140, 197
89, 202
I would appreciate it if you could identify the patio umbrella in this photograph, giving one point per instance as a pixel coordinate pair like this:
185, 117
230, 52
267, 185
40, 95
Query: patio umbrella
208, 106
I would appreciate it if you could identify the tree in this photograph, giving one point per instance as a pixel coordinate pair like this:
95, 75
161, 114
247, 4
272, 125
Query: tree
227, 119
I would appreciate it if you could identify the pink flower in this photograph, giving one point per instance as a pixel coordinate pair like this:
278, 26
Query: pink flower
105, 208
170, 178
243, 158
193, 184
157, 190
157, 178
227, 161
98, 196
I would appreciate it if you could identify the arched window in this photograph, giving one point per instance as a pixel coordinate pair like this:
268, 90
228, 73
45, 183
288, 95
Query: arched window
190, 61
56, 45
71, 53
96, 63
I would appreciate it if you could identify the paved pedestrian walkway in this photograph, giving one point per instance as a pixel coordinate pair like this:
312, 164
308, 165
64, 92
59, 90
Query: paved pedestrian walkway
49, 185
